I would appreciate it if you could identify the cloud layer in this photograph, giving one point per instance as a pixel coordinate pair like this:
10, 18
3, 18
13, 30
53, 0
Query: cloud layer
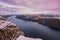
29, 6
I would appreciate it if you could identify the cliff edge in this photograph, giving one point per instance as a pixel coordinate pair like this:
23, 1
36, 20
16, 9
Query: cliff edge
8, 30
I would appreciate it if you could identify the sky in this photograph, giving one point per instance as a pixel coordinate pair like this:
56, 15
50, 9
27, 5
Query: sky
29, 7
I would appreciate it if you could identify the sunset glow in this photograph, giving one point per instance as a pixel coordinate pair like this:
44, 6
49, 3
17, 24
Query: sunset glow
30, 6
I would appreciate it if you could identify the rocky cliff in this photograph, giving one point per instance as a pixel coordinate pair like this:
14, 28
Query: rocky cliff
53, 22
8, 30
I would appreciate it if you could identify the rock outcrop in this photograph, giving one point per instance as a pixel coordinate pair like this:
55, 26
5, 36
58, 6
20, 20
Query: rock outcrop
9, 31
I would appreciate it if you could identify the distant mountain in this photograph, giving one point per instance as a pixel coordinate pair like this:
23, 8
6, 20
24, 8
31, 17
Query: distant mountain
48, 20
22, 16
6, 16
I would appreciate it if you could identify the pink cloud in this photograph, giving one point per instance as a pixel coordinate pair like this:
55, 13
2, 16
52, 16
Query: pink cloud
38, 5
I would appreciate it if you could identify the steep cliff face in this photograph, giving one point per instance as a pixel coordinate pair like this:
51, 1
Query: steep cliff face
47, 20
9, 31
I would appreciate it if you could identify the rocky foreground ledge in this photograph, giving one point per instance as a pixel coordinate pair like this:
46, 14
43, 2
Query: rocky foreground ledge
9, 31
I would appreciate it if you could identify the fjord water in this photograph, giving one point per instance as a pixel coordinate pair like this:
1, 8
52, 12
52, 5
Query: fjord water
35, 30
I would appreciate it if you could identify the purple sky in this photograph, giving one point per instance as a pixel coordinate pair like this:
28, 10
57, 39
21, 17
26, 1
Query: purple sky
30, 6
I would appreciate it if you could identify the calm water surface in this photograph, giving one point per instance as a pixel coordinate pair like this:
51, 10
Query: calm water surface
33, 29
